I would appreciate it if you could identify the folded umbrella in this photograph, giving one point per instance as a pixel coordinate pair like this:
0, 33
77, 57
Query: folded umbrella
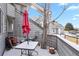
25, 25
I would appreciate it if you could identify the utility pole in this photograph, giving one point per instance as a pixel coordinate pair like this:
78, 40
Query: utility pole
45, 26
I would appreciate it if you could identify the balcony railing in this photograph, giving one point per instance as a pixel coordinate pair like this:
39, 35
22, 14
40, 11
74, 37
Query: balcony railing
63, 46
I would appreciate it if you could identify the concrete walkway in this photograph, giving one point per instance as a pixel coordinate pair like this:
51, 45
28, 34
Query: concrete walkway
41, 52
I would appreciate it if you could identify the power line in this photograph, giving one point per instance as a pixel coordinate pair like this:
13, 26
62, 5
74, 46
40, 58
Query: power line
65, 8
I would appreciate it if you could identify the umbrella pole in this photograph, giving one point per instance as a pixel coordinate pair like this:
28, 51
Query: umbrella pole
27, 39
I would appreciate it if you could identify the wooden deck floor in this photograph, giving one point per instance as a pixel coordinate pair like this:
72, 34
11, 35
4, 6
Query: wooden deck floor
41, 52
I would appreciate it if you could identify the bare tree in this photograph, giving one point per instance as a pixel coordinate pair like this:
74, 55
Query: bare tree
45, 26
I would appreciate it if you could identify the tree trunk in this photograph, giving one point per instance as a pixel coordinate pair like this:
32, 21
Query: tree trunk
44, 38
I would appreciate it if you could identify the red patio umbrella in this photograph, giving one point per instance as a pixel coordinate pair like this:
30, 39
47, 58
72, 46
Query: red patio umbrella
25, 25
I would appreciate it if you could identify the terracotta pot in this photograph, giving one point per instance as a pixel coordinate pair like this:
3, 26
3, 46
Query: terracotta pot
52, 50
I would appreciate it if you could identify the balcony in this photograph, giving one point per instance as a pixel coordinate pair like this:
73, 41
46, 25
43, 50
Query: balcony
63, 48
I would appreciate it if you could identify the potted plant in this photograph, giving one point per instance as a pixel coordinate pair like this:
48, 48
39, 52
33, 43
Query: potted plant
51, 50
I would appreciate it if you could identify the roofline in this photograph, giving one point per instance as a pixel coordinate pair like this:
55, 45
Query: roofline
57, 22
36, 23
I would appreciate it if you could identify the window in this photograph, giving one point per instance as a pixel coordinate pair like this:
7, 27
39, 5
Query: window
55, 30
12, 26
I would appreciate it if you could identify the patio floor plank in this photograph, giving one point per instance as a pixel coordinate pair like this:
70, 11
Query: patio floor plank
41, 52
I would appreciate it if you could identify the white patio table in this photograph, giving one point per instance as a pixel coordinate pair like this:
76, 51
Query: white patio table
25, 46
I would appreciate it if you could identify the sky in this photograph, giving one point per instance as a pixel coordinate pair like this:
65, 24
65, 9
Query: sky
70, 15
